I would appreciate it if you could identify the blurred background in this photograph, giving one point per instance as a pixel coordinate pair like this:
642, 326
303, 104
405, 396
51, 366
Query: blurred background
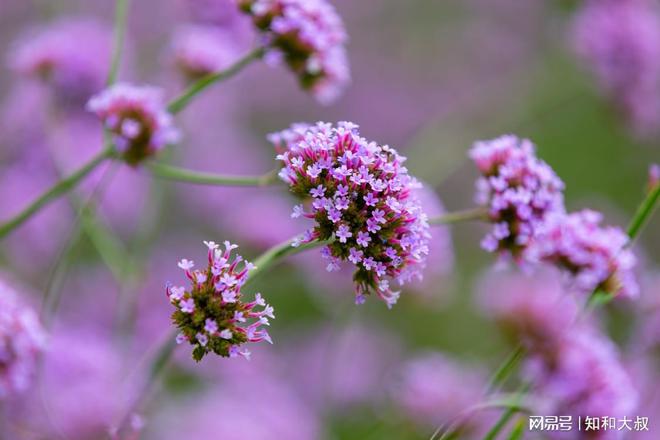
428, 78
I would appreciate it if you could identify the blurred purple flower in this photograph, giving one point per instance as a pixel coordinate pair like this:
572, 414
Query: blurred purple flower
620, 42
55, 54
368, 191
519, 189
435, 390
211, 314
199, 50
137, 118
21, 341
595, 256
309, 37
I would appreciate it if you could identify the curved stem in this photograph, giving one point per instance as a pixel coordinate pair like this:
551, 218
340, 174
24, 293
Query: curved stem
460, 216
60, 188
169, 172
643, 213
508, 414
179, 103
121, 16
505, 369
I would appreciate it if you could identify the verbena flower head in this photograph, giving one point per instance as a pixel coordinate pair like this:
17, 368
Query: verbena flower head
137, 119
309, 37
595, 256
199, 50
21, 340
619, 40
519, 190
211, 313
434, 389
56, 55
359, 194
585, 378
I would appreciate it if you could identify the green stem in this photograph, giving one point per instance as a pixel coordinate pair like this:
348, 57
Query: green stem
459, 216
508, 414
518, 430
643, 213
505, 369
179, 103
121, 16
169, 172
60, 188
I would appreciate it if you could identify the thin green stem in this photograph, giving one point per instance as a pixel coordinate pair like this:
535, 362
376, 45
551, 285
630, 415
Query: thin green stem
121, 18
505, 369
643, 213
508, 414
179, 103
518, 430
170, 172
60, 188
459, 216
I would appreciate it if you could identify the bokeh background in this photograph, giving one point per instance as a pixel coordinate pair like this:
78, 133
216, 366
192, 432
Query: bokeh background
429, 78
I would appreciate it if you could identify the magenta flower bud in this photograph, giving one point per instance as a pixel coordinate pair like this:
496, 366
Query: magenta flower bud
519, 190
309, 37
360, 194
595, 256
137, 119
211, 314
21, 341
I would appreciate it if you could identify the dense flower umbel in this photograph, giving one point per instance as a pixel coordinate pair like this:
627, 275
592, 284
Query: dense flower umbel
519, 190
21, 340
211, 314
359, 193
56, 55
594, 255
137, 119
307, 35
199, 50
620, 42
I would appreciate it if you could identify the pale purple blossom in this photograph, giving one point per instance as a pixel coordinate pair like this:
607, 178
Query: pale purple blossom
393, 243
619, 41
22, 339
209, 314
137, 119
595, 256
309, 37
199, 50
519, 190
56, 55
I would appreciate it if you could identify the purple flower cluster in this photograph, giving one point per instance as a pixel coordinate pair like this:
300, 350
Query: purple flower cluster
359, 194
212, 315
56, 55
519, 189
309, 37
199, 50
585, 377
595, 256
620, 41
21, 340
137, 119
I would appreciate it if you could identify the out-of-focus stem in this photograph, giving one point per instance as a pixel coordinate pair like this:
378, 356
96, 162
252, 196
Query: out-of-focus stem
644, 213
459, 216
179, 103
121, 17
170, 172
508, 414
505, 369
60, 188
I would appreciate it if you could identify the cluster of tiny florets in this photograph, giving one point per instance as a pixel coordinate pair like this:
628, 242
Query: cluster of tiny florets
211, 314
21, 340
359, 194
307, 35
597, 257
199, 50
519, 190
137, 119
